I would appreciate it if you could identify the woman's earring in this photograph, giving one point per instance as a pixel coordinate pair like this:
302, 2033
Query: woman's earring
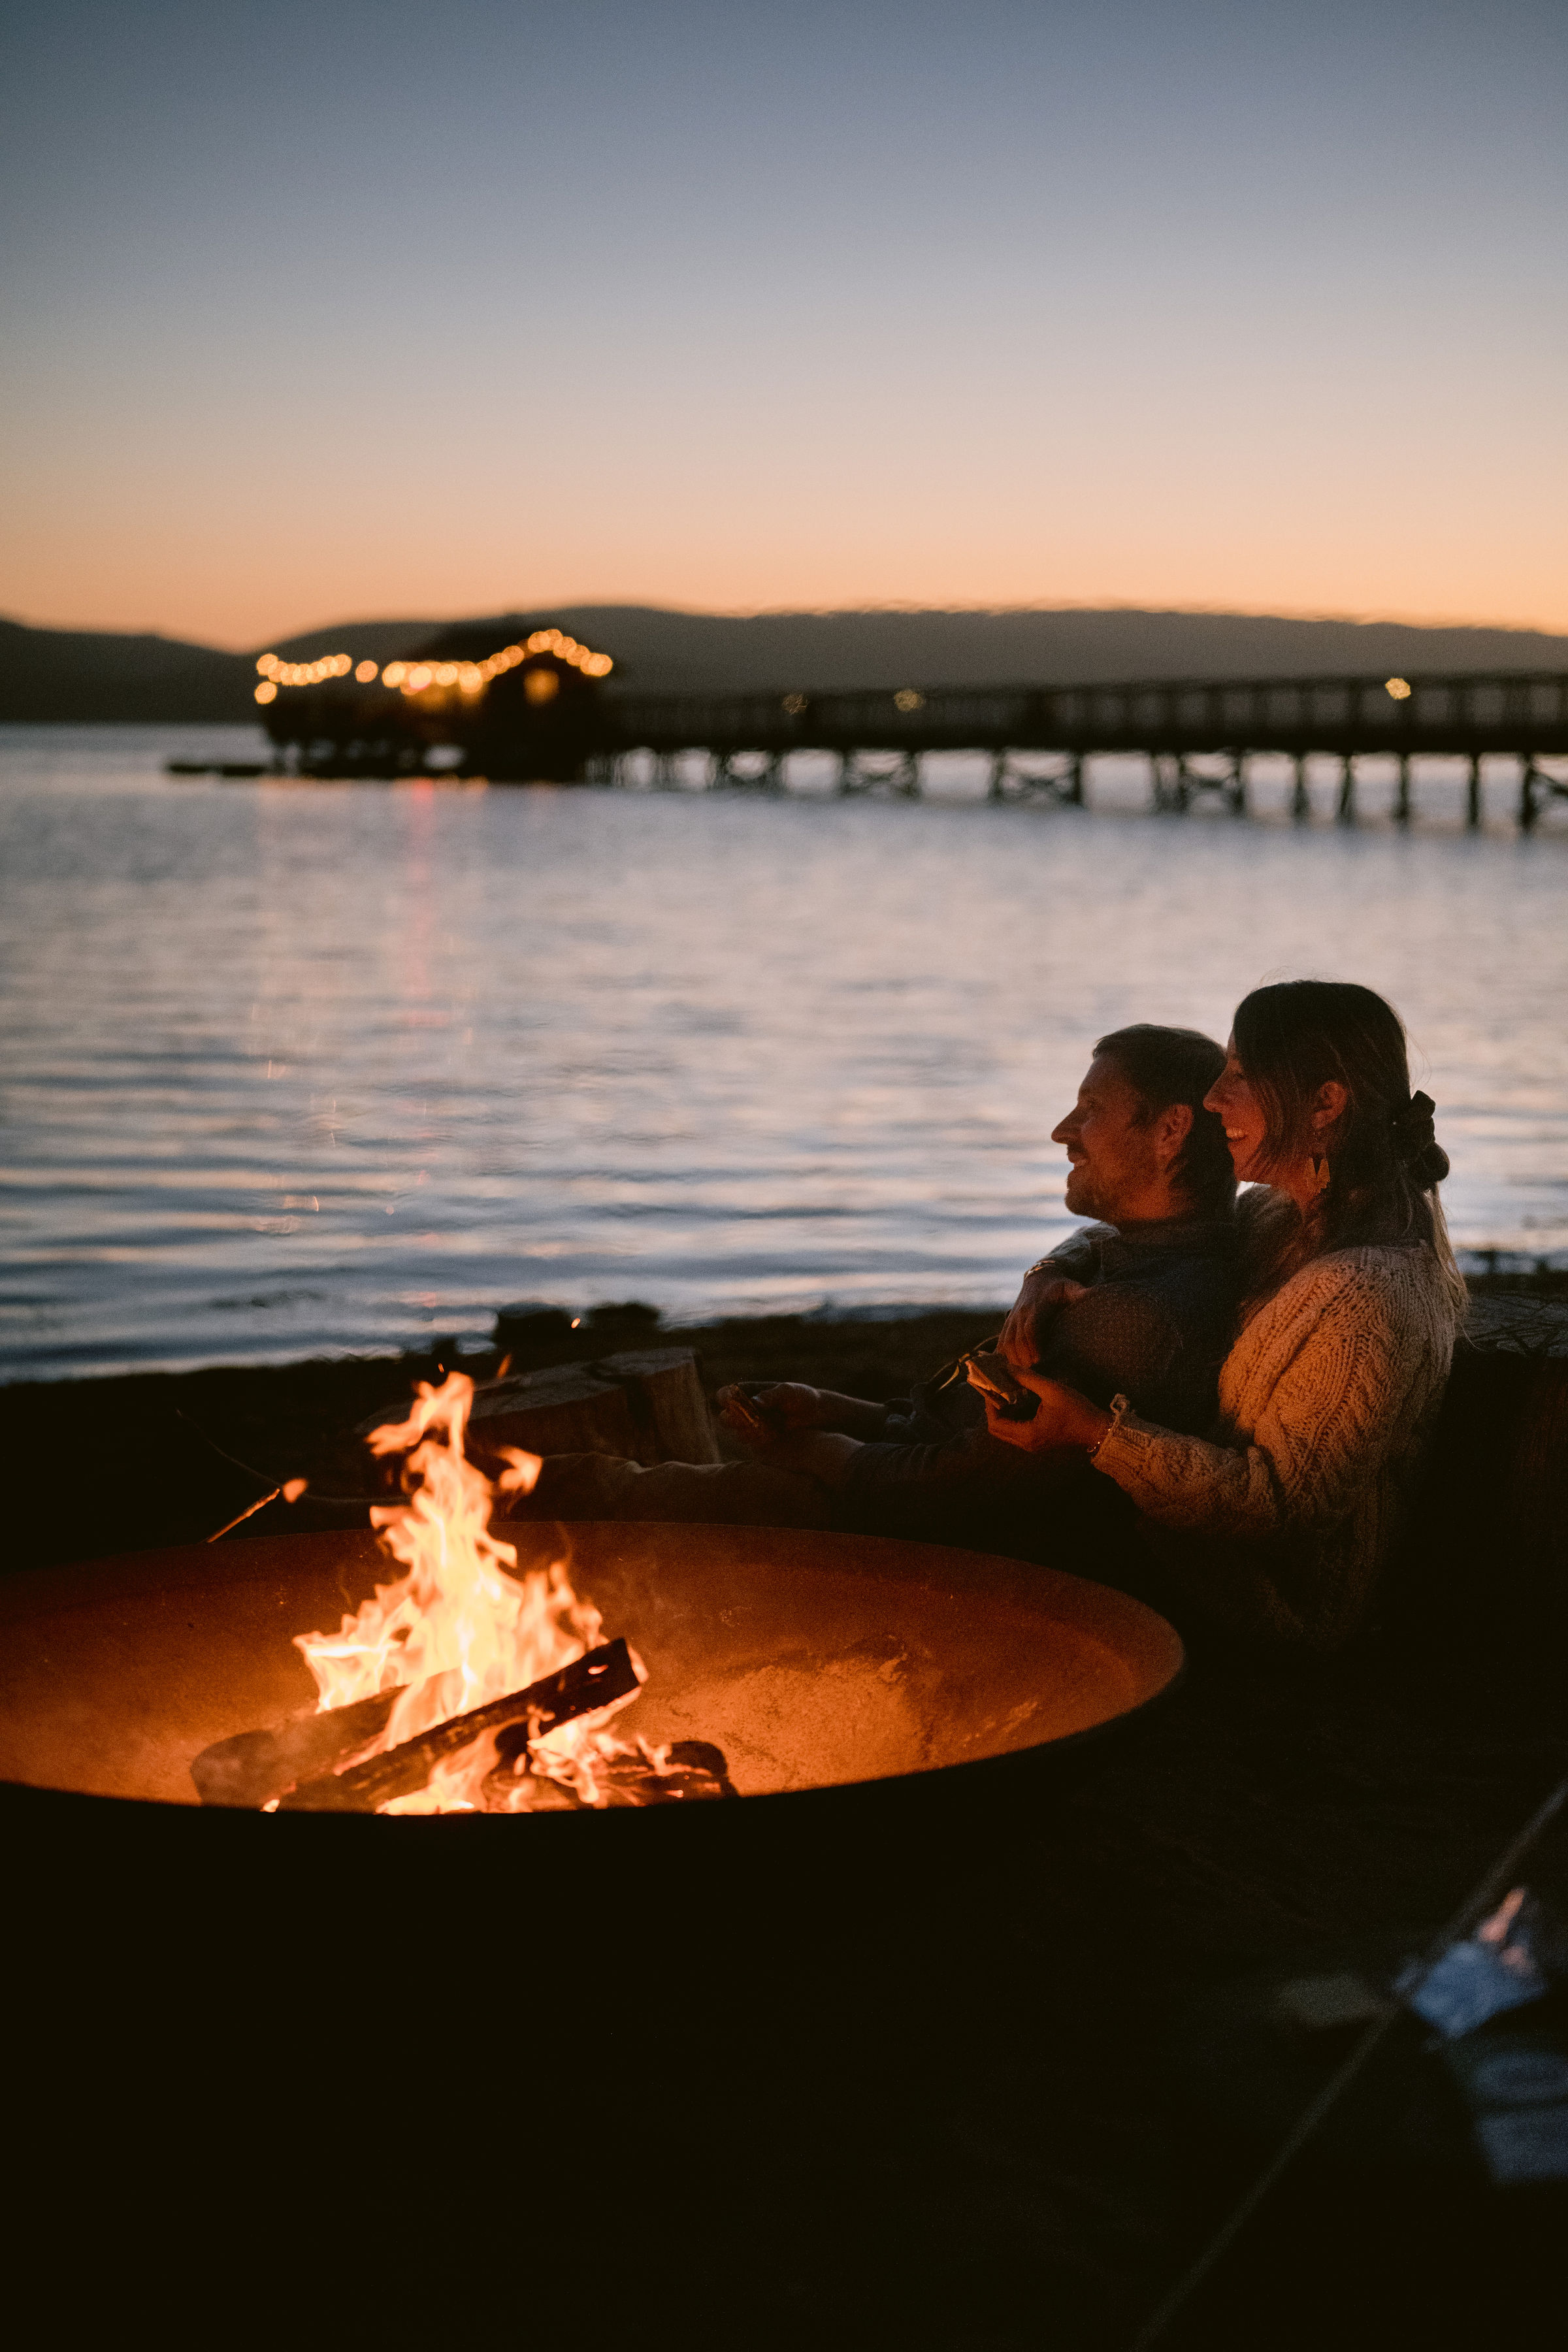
1320, 1171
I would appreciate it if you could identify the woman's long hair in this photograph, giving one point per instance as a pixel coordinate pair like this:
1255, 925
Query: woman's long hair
1385, 1161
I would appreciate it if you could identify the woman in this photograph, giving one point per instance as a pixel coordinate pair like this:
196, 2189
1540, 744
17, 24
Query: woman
1281, 1523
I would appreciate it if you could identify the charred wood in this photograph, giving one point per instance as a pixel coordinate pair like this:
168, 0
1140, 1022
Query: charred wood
255, 1766
688, 1771
590, 1683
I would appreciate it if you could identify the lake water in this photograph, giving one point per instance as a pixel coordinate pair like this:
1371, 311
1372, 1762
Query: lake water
300, 1068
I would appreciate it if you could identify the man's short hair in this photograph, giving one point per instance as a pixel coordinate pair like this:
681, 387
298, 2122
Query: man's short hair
1179, 1066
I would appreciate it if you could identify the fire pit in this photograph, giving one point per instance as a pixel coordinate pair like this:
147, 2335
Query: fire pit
811, 1661
617, 2038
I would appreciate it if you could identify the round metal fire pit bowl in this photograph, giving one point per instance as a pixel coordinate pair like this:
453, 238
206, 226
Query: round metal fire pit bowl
814, 1661
473, 2058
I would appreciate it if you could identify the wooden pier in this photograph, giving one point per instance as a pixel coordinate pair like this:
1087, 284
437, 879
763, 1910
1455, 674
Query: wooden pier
1197, 736
539, 709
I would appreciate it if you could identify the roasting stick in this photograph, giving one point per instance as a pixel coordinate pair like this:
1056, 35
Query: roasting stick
339, 1502
291, 1490
1483, 1898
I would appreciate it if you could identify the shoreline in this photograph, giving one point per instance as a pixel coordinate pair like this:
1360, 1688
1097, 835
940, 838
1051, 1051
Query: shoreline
126, 1462
149, 1459
1488, 1273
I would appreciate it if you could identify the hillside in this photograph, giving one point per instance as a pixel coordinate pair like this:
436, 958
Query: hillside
83, 676
696, 651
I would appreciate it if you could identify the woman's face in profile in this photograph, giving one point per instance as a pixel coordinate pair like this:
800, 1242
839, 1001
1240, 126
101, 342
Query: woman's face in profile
1241, 1116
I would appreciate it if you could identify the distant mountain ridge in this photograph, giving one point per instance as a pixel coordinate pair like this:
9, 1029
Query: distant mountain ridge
70, 675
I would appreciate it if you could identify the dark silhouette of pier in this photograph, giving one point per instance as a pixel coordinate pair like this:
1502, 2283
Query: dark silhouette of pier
540, 709
1197, 736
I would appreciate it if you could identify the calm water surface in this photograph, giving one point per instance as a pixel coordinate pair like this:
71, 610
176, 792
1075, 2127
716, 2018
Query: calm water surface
300, 1069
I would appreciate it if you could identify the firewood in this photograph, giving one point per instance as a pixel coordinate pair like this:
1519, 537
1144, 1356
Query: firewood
665, 1392
645, 1403
694, 1771
256, 1765
592, 1682
570, 1409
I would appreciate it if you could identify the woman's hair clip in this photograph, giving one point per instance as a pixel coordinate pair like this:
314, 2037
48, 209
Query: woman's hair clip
1413, 1124
1416, 1144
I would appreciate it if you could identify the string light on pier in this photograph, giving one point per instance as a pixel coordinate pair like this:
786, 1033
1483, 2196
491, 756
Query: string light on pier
470, 678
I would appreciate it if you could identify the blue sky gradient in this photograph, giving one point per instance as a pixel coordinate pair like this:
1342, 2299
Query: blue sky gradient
338, 308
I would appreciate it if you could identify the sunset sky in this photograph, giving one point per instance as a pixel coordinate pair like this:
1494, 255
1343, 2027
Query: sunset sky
325, 311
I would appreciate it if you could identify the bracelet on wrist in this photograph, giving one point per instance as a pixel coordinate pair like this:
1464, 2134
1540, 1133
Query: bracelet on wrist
1119, 1405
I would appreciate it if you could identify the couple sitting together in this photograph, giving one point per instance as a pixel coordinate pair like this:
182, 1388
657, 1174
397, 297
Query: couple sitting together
1220, 1403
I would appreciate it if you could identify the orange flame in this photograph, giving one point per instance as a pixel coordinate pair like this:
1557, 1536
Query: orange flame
461, 1627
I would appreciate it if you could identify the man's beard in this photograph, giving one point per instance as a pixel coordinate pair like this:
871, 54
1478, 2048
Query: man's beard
1079, 1197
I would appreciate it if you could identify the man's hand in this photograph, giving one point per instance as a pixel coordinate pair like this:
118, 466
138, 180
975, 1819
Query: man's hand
1065, 1418
1042, 1298
786, 1405
799, 1442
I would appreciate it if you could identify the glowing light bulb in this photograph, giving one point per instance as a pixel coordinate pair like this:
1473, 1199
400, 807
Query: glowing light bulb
394, 673
267, 665
1399, 687
365, 672
419, 678
267, 691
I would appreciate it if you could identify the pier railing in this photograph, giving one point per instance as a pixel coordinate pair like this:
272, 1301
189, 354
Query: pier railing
1174, 723
1198, 736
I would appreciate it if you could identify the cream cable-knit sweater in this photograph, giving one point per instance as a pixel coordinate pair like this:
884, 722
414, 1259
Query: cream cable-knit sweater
1282, 1524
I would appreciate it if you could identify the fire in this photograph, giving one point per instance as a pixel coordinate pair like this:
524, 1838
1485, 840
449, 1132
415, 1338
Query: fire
460, 1627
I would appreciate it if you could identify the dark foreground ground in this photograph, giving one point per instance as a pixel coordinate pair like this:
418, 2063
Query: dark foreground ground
1001, 2100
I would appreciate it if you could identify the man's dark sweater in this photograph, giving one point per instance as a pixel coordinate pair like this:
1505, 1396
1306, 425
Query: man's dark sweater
1156, 1325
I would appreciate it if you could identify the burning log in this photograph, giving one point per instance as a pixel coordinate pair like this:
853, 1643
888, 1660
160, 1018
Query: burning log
255, 1766
590, 1683
687, 1771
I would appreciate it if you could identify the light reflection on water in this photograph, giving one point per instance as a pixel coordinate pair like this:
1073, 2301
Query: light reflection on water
293, 1069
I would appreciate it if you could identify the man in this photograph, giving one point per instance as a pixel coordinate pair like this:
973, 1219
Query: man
1141, 1302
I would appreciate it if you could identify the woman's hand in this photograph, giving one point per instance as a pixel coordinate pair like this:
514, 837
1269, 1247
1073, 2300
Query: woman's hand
1042, 1298
1065, 1418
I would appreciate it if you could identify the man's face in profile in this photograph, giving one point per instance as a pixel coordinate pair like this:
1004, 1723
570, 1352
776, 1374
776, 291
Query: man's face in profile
1109, 1143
